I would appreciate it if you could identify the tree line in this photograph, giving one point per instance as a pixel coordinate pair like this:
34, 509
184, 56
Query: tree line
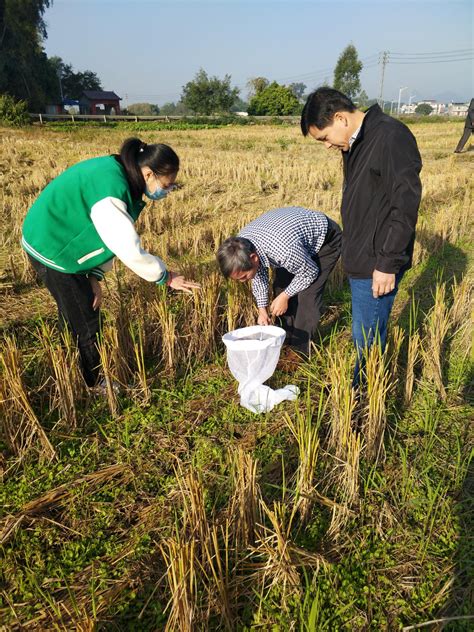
28, 74
209, 95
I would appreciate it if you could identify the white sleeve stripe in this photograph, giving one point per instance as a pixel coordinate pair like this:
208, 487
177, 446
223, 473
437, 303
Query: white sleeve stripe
116, 229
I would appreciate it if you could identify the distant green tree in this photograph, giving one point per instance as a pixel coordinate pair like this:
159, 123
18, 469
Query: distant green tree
347, 72
74, 83
24, 70
424, 109
143, 109
56, 65
207, 95
12, 112
239, 105
255, 85
298, 89
274, 100
174, 109
168, 109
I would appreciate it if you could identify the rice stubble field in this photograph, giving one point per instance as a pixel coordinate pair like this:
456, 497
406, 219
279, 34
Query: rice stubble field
167, 506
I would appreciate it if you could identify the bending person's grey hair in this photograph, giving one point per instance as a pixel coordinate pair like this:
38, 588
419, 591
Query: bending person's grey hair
234, 255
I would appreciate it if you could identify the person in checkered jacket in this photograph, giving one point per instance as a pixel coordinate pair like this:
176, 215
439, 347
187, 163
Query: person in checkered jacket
302, 246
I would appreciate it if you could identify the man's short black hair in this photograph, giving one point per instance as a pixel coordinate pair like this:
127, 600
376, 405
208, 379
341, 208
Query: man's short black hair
320, 107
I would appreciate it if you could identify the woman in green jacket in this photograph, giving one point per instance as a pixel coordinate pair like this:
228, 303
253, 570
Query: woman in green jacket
83, 219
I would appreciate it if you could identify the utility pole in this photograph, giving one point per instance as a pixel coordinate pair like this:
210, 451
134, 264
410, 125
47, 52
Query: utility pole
383, 60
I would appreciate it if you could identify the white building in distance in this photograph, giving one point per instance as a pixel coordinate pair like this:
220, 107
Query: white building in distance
451, 109
458, 109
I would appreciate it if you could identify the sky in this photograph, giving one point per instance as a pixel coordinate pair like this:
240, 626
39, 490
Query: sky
147, 50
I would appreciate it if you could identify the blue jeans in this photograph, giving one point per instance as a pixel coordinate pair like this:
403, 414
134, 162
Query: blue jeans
369, 318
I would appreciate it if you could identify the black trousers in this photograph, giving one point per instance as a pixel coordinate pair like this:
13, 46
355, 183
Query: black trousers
304, 310
74, 297
464, 138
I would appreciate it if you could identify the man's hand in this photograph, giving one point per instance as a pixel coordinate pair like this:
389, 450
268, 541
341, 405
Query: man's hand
279, 305
382, 283
97, 291
178, 282
263, 317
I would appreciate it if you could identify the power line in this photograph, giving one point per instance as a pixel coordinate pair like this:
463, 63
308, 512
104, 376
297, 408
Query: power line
322, 73
305, 77
432, 61
381, 59
464, 54
376, 59
398, 59
421, 59
364, 61
434, 53
432, 57
306, 74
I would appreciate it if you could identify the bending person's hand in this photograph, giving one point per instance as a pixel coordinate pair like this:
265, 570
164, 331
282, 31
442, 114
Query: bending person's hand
178, 282
263, 317
280, 304
96, 291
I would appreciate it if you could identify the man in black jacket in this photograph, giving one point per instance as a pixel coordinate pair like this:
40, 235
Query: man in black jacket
468, 128
380, 200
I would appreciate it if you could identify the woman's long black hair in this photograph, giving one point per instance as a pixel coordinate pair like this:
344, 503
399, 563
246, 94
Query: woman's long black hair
135, 154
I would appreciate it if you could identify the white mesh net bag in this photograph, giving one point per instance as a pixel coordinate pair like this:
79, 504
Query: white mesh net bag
252, 356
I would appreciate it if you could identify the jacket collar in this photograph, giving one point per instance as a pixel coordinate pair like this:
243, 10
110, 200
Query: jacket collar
371, 120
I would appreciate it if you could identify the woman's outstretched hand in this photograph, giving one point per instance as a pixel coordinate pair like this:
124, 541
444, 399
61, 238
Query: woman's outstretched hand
178, 282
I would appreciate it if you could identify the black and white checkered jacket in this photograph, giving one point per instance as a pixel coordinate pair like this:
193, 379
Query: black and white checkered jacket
286, 238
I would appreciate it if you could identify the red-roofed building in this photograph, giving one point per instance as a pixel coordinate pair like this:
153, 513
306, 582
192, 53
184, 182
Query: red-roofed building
99, 102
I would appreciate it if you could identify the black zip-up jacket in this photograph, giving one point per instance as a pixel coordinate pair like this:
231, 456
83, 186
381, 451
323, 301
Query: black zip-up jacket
381, 196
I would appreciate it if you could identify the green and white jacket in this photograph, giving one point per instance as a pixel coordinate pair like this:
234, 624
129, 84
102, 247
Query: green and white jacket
84, 218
